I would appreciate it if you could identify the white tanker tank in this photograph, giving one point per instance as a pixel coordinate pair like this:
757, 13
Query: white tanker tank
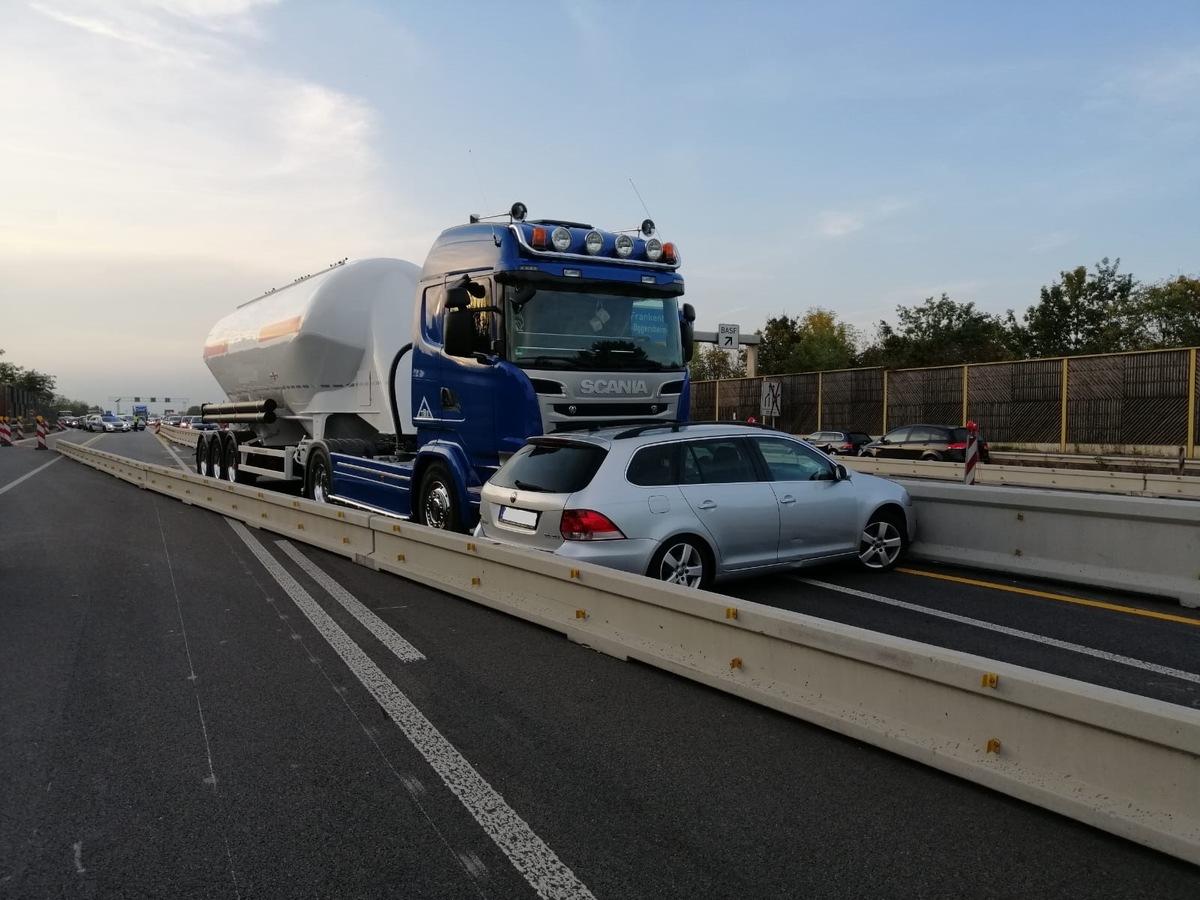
321, 347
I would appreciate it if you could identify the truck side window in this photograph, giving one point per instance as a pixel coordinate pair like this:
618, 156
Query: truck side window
485, 325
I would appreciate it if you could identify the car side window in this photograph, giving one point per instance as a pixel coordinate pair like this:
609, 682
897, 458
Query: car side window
719, 461
922, 435
654, 466
897, 435
792, 461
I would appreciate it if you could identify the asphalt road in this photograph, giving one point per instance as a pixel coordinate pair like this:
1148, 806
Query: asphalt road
195, 709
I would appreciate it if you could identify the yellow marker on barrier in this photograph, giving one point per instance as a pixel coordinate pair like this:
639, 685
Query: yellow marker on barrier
731, 612
470, 547
990, 680
735, 663
395, 529
264, 515
341, 515
399, 557
299, 526
993, 745
295, 503
475, 580
345, 540
575, 573
235, 506
581, 614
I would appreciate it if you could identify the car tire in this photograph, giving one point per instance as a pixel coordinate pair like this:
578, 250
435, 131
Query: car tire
883, 543
684, 560
318, 476
436, 506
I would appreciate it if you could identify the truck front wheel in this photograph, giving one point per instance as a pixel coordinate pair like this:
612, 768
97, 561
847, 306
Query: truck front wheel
318, 476
437, 508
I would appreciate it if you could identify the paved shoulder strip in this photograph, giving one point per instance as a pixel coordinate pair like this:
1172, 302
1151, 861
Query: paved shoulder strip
529, 854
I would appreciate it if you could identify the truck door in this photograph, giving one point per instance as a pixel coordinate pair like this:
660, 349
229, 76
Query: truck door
461, 395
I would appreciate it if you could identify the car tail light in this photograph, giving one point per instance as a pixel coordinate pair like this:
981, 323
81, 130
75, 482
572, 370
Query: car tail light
962, 446
847, 446
588, 525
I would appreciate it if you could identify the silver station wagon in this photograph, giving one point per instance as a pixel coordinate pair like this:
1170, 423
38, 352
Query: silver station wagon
691, 503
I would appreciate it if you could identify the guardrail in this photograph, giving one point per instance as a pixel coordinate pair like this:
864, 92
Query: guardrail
1122, 763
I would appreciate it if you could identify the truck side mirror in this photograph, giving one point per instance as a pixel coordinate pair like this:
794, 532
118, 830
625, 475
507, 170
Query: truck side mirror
457, 298
459, 332
687, 331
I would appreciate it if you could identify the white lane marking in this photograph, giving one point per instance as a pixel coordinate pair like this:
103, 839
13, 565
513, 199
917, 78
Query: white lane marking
404, 651
528, 853
78, 847
1011, 632
13, 484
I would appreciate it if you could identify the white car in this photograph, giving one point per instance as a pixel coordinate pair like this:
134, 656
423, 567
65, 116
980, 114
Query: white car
106, 423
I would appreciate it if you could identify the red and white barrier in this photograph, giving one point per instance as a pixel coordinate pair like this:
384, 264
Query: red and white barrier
971, 455
18, 430
43, 427
5, 433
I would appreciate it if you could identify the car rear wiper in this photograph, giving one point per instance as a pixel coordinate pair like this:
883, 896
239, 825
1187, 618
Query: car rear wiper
526, 486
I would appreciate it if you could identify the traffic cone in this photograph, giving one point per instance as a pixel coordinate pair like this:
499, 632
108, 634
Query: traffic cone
42, 428
5, 434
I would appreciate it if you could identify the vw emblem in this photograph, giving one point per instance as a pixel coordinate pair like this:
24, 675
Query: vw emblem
512, 498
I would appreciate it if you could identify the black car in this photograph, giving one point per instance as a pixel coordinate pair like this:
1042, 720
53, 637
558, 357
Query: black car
849, 443
930, 442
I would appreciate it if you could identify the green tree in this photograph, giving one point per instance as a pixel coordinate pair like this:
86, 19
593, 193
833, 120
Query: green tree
939, 332
1083, 312
710, 363
813, 342
1169, 312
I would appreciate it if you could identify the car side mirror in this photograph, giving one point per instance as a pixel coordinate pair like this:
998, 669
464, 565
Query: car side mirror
841, 473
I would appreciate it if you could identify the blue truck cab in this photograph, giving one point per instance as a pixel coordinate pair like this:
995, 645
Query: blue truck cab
523, 328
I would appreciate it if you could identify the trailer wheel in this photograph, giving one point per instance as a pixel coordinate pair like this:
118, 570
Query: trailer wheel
204, 464
226, 445
318, 476
437, 508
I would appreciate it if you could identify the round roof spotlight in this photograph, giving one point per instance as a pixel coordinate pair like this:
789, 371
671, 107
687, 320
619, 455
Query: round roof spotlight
561, 238
624, 246
653, 249
593, 243
518, 212
647, 227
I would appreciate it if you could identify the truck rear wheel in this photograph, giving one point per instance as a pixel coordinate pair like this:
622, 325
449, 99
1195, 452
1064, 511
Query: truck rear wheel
226, 445
318, 476
437, 508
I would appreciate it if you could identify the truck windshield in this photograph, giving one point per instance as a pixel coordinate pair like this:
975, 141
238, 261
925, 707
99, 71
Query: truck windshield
584, 329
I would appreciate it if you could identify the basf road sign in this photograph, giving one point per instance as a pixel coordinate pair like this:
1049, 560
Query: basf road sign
728, 337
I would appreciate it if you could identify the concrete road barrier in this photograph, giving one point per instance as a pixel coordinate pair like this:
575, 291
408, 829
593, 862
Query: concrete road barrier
1123, 763
1138, 544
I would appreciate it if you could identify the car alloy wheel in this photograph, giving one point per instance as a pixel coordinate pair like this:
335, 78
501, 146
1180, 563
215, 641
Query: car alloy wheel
882, 543
682, 561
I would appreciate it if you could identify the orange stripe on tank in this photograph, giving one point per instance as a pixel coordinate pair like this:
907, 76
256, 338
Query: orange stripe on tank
215, 349
281, 328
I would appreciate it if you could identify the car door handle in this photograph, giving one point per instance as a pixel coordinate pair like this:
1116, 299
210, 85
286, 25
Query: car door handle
708, 504
787, 498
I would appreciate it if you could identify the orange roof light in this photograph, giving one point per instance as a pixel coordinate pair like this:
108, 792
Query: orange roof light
669, 252
539, 238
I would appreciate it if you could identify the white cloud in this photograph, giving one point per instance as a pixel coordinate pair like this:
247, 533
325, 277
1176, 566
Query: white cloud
144, 134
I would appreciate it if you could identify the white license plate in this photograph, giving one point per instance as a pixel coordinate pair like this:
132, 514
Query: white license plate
525, 518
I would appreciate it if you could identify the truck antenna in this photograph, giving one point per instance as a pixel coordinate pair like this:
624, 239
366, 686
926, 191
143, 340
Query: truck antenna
478, 183
639, 196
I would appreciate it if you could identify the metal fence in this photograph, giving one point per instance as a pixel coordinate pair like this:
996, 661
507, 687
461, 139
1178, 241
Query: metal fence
1112, 401
18, 403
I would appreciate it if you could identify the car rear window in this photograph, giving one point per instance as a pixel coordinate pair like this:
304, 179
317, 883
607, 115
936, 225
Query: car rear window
556, 467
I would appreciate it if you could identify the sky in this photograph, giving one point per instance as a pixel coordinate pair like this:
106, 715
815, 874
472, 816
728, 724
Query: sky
162, 161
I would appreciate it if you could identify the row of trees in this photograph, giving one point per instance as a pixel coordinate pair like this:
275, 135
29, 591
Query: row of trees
41, 387
1101, 311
